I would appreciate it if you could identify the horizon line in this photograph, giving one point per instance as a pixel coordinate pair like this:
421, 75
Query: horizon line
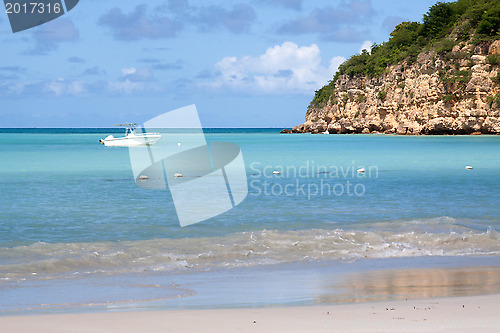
1, 128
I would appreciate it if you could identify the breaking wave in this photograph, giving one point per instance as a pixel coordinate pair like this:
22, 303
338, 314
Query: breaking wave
383, 240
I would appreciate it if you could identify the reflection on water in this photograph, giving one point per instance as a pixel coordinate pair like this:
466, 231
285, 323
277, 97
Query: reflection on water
414, 283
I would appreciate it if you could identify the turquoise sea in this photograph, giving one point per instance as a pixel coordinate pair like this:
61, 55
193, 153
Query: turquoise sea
76, 232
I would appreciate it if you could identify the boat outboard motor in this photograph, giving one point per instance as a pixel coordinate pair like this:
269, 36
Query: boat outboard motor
109, 137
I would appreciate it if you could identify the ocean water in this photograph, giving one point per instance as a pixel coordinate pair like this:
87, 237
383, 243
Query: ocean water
70, 210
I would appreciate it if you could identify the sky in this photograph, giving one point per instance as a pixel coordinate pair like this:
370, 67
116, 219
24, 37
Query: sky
243, 63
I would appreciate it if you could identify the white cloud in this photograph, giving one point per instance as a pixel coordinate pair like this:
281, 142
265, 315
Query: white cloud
285, 68
126, 86
128, 71
367, 45
133, 79
130, 81
335, 62
137, 74
61, 87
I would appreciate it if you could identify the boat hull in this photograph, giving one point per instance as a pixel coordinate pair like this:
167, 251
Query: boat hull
131, 141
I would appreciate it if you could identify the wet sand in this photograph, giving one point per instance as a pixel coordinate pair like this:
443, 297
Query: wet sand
318, 297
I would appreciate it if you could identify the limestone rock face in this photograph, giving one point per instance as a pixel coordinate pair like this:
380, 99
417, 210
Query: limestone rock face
456, 93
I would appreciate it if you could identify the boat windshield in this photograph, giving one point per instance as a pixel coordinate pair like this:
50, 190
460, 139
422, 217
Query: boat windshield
129, 128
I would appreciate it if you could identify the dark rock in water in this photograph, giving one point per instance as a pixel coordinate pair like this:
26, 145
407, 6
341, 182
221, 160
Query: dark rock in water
286, 131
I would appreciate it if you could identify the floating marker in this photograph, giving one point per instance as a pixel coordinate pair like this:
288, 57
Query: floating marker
468, 167
361, 170
217, 179
276, 172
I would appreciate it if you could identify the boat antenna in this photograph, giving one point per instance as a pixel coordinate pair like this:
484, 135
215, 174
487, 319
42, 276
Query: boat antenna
126, 124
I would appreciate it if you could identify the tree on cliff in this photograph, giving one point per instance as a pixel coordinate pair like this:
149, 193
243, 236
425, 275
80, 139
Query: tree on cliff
443, 26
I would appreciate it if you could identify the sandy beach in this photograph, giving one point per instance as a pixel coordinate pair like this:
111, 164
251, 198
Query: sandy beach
454, 314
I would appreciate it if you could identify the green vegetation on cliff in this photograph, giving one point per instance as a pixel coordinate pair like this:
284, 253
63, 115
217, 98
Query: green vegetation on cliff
445, 25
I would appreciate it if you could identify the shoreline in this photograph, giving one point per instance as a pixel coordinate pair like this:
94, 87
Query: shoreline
291, 131
450, 314
322, 283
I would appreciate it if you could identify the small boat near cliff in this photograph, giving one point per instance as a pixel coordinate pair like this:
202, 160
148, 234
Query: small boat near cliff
131, 138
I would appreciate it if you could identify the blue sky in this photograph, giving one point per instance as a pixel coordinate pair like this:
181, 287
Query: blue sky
243, 63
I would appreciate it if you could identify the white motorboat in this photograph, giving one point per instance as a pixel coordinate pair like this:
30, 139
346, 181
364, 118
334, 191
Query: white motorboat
131, 138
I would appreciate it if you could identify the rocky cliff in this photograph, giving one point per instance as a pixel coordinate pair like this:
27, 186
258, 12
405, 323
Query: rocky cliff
440, 93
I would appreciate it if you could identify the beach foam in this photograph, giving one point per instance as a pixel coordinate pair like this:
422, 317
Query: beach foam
432, 237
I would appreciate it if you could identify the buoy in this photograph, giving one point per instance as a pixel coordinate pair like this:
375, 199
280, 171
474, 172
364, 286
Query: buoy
143, 177
468, 167
177, 175
276, 172
361, 170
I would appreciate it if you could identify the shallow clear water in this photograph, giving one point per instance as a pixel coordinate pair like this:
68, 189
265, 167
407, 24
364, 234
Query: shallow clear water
69, 207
